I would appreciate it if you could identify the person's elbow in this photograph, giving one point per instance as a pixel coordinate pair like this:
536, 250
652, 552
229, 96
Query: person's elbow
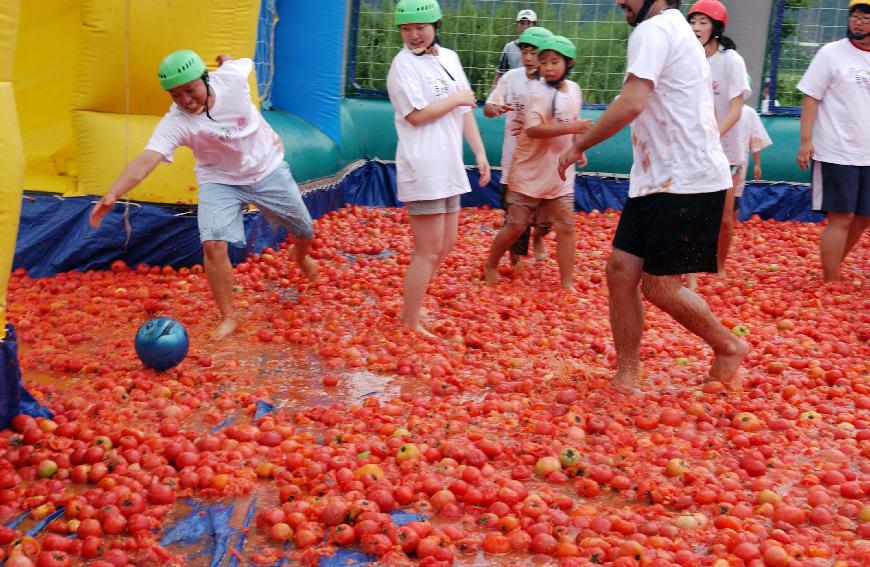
415, 119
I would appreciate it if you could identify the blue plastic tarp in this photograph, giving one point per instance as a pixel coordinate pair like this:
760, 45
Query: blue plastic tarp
54, 235
14, 397
209, 526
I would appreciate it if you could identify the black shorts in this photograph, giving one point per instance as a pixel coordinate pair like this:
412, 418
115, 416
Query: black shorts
841, 188
674, 234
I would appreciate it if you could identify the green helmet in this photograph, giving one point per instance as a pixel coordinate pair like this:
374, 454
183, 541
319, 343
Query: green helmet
179, 68
534, 36
417, 12
559, 44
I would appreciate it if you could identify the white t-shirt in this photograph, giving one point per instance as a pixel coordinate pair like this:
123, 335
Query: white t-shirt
513, 88
839, 77
236, 146
755, 138
535, 167
675, 139
729, 80
429, 157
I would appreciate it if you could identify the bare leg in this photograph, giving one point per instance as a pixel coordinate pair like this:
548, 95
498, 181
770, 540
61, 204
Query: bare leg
565, 253
539, 246
506, 236
726, 232
626, 315
692, 312
306, 262
220, 278
833, 243
856, 229
429, 251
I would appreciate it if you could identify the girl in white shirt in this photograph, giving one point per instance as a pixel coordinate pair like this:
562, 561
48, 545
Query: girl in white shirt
432, 100
709, 19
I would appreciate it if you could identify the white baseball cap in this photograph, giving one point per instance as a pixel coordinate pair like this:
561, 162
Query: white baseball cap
527, 15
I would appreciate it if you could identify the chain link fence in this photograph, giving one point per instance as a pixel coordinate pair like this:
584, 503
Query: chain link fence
798, 29
478, 30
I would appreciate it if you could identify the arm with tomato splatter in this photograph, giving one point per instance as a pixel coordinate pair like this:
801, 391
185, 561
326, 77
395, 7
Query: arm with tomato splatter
619, 114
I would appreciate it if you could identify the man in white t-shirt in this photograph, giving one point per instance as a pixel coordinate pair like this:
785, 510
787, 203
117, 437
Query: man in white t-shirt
670, 223
835, 120
511, 54
239, 160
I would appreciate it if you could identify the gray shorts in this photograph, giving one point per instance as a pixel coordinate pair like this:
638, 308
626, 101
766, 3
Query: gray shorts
434, 207
221, 208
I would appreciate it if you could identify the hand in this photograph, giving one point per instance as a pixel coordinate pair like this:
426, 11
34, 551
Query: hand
579, 126
464, 98
221, 59
517, 125
483, 169
583, 162
503, 108
805, 154
569, 156
102, 207
757, 172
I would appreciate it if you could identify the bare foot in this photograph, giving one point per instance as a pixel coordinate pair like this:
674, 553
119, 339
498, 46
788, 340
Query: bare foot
568, 286
726, 366
490, 275
515, 258
309, 268
692, 281
421, 329
627, 380
225, 329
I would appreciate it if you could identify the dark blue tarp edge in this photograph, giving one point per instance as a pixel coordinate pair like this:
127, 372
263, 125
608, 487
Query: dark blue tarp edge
14, 397
54, 235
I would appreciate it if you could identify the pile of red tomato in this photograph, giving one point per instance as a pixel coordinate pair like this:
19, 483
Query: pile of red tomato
502, 430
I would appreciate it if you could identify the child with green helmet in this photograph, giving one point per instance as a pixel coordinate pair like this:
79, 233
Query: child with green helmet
535, 190
432, 102
510, 98
511, 54
239, 160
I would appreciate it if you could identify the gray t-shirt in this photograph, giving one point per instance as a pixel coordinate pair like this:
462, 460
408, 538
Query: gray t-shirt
511, 58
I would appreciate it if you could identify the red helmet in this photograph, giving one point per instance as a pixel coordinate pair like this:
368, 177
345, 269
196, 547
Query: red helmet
713, 9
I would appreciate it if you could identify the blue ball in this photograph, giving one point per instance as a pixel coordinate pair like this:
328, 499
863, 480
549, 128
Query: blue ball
162, 343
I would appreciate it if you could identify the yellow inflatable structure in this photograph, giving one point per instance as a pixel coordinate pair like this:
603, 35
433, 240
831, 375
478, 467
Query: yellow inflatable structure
11, 154
87, 89
80, 78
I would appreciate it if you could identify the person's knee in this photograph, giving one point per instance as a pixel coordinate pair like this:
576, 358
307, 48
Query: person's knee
430, 257
564, 229
214, 249
655, 289
306, 234
618, 272
840, 220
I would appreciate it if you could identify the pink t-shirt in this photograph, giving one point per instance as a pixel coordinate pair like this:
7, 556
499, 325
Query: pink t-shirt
535, 168
236, 146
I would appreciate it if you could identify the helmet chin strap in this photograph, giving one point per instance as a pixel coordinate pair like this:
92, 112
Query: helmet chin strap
644, 11
207, 93
420, 51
